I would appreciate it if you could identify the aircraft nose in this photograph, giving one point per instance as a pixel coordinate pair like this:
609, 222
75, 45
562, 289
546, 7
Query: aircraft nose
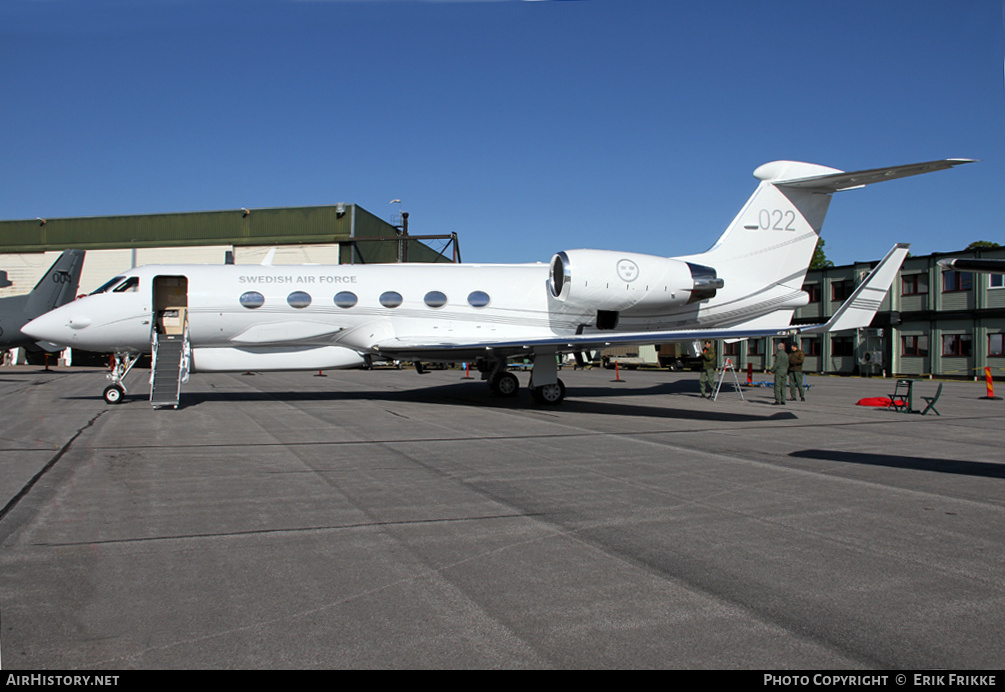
55, 327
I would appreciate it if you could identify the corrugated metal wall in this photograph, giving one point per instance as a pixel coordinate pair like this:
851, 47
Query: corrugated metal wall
279, 226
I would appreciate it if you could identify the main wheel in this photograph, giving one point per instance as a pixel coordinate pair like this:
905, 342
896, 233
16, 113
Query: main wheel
505, 384
113, 394
549, 394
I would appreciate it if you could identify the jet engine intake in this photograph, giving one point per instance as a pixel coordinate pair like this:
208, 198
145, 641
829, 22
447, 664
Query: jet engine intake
625, 282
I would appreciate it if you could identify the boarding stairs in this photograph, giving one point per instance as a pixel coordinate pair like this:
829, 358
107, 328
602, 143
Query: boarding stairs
169, 365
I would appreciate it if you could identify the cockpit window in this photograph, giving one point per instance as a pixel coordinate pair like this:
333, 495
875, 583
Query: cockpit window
104, 287
129, 285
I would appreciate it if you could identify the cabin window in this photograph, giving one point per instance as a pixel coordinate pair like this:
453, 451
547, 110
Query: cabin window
345, 299
435, 299
478, 299
252, 300
298, 299
390, 299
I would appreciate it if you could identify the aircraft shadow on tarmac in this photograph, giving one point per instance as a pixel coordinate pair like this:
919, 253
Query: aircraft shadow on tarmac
476, 394
982, 469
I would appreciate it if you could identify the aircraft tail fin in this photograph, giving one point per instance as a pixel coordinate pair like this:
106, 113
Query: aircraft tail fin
860, 308
58, 286
772, 240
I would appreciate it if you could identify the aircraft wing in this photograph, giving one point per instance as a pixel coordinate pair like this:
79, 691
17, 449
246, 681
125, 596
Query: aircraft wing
856, 312
404, 349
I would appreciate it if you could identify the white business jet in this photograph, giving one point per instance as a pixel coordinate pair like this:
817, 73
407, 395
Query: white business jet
205, 318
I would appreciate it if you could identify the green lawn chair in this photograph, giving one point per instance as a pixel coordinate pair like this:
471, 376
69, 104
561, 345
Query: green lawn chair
930, 400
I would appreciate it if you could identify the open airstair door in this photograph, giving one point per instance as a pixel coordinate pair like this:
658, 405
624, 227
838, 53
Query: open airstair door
170, 347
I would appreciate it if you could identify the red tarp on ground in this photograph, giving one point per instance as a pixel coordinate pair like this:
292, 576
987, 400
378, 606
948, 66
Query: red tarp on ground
877, 401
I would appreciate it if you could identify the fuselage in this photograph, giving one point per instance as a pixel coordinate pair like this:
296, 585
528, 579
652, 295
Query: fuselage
285, 310
310, 305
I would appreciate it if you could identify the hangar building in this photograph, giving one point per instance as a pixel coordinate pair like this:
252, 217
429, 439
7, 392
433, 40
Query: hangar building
332, 234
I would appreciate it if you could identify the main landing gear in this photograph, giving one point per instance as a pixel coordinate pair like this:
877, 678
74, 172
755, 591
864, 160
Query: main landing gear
548, 394
122, 363
505, 384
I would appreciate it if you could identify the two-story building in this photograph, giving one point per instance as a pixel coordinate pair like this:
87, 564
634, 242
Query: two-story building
937, 322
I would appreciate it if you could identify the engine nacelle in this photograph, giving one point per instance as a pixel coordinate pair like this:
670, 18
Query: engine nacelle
628, 282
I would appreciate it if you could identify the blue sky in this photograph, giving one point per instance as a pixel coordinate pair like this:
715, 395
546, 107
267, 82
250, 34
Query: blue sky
525, 127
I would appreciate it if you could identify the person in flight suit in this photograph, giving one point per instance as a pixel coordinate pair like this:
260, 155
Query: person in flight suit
796, 358
781, 370
707, 369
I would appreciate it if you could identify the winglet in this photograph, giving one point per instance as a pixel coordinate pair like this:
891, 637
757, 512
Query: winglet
861, 306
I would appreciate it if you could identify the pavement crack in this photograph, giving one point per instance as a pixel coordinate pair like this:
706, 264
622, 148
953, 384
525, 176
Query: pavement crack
45, 469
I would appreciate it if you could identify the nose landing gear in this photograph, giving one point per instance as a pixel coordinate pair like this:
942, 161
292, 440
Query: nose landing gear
122, 363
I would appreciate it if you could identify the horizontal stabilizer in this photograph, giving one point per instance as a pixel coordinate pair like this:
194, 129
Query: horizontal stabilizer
834, 182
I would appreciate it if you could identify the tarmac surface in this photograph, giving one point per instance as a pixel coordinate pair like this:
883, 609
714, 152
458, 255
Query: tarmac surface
385, 519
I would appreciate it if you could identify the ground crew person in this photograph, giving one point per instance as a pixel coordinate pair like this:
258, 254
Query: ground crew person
796, 358
781, 370
707, 369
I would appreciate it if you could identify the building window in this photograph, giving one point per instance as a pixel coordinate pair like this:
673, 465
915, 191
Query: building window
252, 300
811, 347
953, 281
840, 290
996, 281
731, 348
914, 345
755, 347
842, 346
390, 299
813, 291
345, 299
956, 345
913, 284
298, 299
435, 299
996, 345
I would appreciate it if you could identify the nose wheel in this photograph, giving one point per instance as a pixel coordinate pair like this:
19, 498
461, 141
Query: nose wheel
113, 394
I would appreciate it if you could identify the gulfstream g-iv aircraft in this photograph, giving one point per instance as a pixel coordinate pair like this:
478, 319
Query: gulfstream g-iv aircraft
237, 317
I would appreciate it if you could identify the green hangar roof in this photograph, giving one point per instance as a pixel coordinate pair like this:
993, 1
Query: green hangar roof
346, 224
